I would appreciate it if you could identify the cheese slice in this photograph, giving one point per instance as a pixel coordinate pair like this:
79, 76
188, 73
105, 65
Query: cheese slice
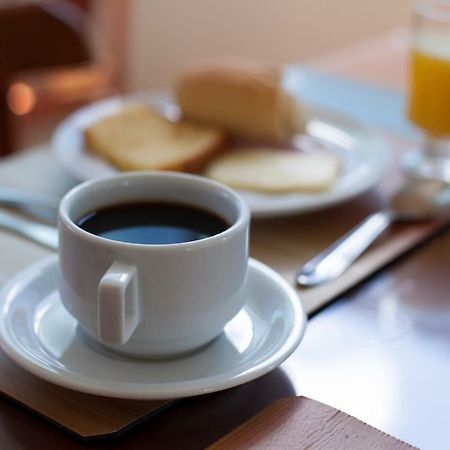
275, 170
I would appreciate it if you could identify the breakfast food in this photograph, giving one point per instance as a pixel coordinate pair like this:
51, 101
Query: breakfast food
244, 98
138, 138
239, 99
270, 171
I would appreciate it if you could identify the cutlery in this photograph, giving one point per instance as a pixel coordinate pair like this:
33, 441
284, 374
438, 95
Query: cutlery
417, 200
45, 235
40, 205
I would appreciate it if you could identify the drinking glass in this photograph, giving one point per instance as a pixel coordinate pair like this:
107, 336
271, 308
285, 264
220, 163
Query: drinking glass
429, 99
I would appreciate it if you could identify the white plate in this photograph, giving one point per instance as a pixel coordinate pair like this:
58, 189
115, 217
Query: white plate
38, 333
363, 153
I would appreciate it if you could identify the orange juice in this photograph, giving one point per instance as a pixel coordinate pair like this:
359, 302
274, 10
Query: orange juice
429, 106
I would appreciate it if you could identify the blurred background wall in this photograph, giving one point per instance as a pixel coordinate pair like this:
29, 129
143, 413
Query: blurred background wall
165, 35
56, 55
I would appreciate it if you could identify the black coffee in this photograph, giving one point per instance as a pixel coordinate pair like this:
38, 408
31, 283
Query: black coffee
153, 223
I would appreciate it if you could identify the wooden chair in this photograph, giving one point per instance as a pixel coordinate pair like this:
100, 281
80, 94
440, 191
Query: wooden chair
35, 37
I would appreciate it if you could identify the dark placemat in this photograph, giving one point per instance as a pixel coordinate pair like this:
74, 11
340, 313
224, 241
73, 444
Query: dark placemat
86, 416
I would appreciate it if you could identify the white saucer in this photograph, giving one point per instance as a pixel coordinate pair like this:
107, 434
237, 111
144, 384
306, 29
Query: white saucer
38, 333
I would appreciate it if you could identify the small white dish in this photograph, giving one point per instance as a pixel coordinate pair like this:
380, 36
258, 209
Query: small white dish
38, 334
364, 154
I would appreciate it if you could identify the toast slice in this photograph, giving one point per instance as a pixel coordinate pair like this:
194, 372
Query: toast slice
138, 138
275, 170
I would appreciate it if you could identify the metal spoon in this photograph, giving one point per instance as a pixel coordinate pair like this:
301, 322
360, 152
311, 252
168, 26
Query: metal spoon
417, 200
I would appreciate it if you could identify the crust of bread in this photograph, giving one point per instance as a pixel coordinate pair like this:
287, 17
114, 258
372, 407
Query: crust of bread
137, 138
244, 98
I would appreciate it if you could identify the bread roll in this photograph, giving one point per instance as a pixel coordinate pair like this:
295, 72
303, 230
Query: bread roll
275, 171
137, 138
244, 98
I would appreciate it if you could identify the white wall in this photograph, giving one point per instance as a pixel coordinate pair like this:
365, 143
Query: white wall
165, 35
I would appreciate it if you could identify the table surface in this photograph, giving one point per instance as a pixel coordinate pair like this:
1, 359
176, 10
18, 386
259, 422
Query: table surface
379, 353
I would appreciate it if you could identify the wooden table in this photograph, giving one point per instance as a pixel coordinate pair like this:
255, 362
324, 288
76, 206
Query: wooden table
380, 353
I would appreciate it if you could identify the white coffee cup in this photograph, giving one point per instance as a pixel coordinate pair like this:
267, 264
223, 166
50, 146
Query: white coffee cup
147, 300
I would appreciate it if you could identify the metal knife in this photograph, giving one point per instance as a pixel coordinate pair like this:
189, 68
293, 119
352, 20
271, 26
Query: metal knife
40, 205
45, 235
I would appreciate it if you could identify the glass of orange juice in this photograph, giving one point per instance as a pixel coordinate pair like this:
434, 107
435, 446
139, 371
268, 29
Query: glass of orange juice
429, 100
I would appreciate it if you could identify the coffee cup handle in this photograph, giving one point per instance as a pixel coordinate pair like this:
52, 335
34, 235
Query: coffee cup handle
118, 305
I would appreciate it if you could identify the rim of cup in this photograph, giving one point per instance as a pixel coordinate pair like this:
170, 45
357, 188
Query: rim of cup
242, 220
